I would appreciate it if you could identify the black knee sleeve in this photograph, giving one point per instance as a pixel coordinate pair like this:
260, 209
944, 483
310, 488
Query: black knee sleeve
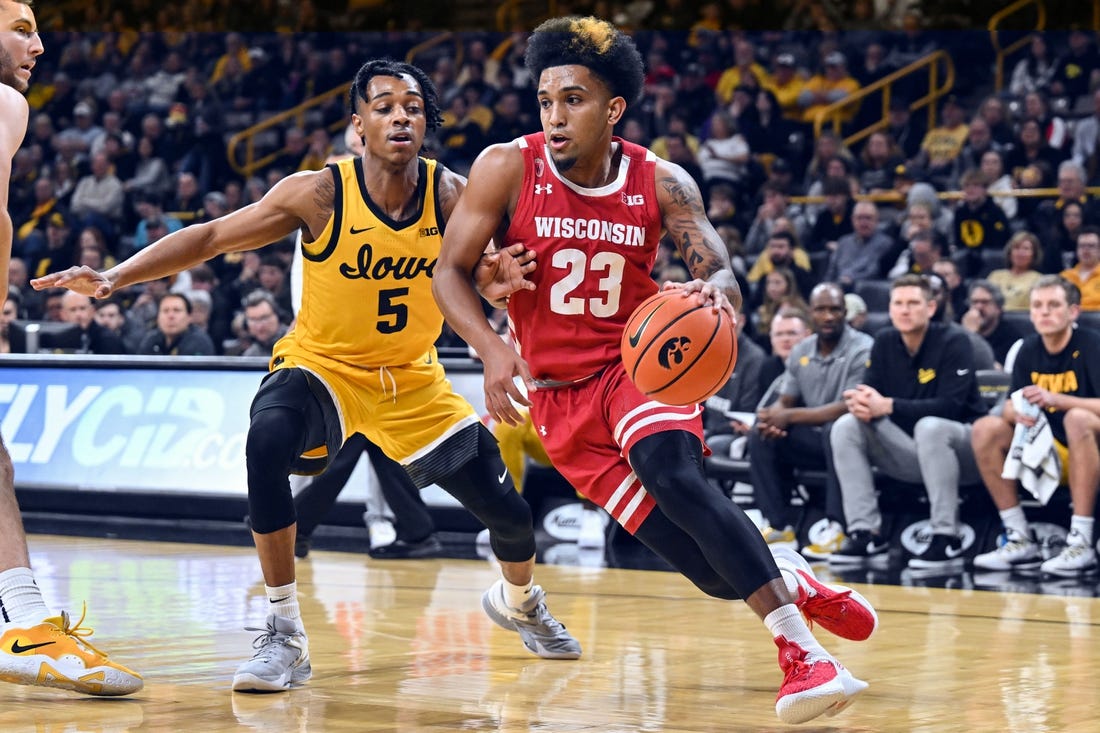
275, 439
669, 466
484, 487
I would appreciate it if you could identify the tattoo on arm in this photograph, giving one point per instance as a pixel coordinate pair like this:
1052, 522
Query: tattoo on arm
324, 194
683, 223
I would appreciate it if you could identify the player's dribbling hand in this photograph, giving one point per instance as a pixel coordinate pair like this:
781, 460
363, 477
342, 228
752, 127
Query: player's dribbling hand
499, 274
82, 279
705, 291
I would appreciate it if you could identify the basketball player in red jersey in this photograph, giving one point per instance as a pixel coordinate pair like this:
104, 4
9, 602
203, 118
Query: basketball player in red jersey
592, 207
360, 358
36, 646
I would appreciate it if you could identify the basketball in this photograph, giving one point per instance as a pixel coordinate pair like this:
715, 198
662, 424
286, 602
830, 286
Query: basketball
677, 351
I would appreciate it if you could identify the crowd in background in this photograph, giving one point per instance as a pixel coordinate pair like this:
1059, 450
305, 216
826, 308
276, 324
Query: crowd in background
128, 137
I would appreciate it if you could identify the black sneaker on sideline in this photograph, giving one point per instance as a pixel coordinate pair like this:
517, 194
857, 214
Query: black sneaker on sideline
430, 546
301, 545
944, 553
860, 546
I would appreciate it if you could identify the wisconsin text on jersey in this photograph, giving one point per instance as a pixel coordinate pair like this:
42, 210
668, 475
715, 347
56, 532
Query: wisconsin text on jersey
566, 227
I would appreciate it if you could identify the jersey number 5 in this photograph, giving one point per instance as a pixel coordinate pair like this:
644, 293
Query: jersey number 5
606, 266
396, 313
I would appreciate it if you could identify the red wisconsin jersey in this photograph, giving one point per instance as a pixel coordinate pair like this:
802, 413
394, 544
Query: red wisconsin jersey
595, 248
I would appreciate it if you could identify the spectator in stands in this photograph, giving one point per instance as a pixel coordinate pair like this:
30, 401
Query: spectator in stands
1034, 71
746, 71
859, 255
143, 308
783, 252
835, 220
724, 155
855, 312
83, 132
162, 86
878, 161
722, 205
832, 85
109, 314
94, 338
983, 352
1062, 239
1086, 141
235, 49
264, 324
979, 141
775, 206
740, 394
174, 335
1032, 162
1048, 217
924, 250
827, 147
980, 224
99, 196
789, 327
770, 134
60, 246
1055, 130
273, 277
295, 145
9, 313
947, 270
677, 149
1085, 275
910, 419
154, 223
787, 84
91, 249
780, 290
943, 144
906, 129
1023, 257
1058, 370
992, 167
1077, 69
794, 431
985, 317
460, 136
509, 119
30, 231
186, 205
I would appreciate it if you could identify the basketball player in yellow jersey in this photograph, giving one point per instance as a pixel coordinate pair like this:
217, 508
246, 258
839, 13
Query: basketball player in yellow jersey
360, 358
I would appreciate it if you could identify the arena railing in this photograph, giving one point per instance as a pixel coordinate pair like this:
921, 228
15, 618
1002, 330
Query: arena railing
1003, 52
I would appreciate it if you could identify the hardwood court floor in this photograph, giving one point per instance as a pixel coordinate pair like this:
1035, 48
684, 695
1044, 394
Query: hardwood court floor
404, 646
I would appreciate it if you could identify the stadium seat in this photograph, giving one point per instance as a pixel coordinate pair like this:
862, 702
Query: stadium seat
1089, 319
1022, 321
875, 293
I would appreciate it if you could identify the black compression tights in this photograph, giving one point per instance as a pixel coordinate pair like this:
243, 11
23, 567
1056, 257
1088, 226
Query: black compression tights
695, 527
275, 439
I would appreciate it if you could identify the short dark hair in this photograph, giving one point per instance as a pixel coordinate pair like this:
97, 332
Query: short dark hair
913, 280
1073, 293
388, 67
1090, 229
994, 292
595, 44
181, 296
785, 236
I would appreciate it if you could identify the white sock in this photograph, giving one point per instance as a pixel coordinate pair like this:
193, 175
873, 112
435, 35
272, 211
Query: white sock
791, 578
517, 595
1083, 526
20, 598
786, 621
283, 601
1016, 520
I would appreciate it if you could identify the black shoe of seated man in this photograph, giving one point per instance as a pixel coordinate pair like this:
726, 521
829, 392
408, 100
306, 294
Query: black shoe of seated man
430, 546
860, 546
944, 552
302, 545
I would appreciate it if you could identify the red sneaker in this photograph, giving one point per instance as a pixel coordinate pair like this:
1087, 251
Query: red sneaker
836, 608
812, 687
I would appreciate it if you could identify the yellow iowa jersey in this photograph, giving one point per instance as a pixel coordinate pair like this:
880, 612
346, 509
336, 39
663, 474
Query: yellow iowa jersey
367, 279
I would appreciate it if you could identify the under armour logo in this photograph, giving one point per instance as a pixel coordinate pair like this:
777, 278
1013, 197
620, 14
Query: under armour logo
541, 188
542, 430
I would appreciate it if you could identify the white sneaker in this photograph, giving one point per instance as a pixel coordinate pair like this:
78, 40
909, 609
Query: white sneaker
826, 543
281, 660
381, 531
1078, 558
591, 535
1017, 552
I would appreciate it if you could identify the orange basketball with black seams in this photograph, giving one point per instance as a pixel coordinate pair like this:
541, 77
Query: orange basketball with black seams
677, 351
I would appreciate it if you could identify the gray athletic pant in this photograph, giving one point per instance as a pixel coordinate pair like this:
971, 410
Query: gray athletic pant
938, 455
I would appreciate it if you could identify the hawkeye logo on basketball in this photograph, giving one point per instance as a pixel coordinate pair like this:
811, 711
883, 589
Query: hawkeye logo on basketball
672, 351
924, 376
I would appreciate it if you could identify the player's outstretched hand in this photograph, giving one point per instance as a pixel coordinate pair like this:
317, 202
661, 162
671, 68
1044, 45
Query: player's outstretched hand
499, 274
82, 279
500, 369
705, 291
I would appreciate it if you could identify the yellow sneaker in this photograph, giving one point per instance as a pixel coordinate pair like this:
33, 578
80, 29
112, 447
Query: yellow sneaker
784, 536
57, 654
826, 541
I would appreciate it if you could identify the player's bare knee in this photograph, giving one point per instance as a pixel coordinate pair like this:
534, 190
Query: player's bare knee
1081, 424
990, 432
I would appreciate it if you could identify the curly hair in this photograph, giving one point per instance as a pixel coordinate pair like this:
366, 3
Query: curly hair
387, 67
595, 44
